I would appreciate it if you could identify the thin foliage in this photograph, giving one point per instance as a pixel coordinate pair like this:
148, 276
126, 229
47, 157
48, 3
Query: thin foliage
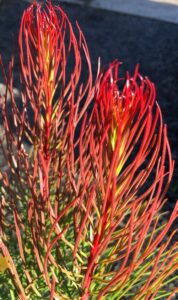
82, 195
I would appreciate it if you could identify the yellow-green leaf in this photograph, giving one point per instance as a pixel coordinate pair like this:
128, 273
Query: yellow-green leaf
3, 263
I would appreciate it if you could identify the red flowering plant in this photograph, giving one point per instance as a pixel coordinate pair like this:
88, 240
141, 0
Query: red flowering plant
82, 195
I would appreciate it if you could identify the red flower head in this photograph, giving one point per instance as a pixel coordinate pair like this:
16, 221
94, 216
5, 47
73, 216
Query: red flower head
132, 167
50, 57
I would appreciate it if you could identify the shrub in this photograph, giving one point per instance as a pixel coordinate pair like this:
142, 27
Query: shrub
88, 168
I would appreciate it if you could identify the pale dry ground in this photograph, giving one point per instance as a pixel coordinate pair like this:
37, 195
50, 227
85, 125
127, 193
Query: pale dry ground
3, 164
166, 10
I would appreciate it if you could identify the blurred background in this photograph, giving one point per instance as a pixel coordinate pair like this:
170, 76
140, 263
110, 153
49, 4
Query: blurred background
143, 32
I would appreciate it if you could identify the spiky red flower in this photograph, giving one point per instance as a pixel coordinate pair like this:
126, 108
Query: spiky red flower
39, 143
132, 167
